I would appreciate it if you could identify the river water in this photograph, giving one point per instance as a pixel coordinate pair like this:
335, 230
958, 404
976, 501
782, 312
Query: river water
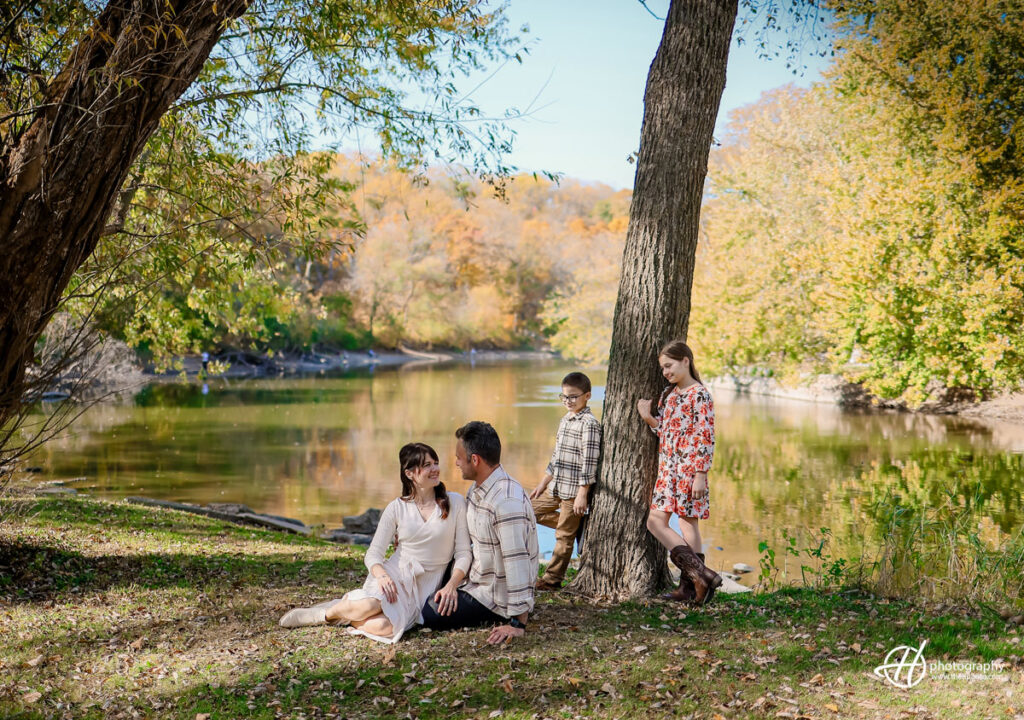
320, 447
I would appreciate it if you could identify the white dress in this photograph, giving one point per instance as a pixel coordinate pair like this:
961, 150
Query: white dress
423, 549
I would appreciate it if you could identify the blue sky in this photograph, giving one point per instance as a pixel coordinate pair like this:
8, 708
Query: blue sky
584, 81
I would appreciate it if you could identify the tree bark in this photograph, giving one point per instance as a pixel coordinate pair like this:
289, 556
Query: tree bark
684, 88
60, 180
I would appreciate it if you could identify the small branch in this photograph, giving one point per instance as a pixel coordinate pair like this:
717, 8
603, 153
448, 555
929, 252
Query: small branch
650, 12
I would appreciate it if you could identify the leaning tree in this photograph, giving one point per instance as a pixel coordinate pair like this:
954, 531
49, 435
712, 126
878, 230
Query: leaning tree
684, 88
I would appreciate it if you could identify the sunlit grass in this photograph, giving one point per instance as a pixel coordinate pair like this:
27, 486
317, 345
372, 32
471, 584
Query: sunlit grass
125, 611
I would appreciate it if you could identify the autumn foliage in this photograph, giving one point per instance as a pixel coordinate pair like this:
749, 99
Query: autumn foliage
871, 225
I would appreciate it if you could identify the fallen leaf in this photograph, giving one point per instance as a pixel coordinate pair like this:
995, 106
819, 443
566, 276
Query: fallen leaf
855, 647
31, 697
202, 716
818, 679
137, 645
608, 688
34, 661
832, 706
507, 686
574, 681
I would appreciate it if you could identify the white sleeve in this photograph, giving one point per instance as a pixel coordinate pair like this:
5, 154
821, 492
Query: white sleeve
463, 553
384, 535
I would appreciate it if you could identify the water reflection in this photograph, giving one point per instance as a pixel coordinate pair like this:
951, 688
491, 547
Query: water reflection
317, 448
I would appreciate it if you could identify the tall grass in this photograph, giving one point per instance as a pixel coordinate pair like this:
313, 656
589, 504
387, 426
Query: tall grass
932, 553
939, 553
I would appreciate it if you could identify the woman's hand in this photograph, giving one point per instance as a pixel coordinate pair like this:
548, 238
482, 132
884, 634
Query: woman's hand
699, 490
644, 408
387, 586
447, 599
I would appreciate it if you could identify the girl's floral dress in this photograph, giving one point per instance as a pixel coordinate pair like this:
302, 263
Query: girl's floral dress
686, 445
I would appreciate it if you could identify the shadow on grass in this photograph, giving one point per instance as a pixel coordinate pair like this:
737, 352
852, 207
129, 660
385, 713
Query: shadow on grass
31, 572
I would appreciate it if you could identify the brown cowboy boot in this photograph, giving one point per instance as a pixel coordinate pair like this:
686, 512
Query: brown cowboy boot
714, 584
704, 579
686, 592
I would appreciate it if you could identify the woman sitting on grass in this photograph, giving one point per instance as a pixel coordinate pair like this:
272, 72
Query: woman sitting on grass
428, 527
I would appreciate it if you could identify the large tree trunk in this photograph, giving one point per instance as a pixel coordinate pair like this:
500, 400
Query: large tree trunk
59, 181
684, 88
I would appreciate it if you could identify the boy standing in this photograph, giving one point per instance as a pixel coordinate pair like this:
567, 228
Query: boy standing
573, 469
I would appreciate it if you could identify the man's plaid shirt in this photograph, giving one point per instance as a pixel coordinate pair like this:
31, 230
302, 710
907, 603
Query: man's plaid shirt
503, 530
577, 454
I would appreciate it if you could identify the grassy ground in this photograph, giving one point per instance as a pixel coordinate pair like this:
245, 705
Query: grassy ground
110, 610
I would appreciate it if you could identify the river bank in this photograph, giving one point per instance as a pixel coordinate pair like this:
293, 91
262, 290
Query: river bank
836, 390
246, 364
119, 373
117, 611
827, 389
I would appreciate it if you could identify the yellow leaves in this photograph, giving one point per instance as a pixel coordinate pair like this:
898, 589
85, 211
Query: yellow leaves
823, 228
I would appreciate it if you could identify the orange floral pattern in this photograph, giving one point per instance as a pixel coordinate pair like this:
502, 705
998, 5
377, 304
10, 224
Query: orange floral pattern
686, 446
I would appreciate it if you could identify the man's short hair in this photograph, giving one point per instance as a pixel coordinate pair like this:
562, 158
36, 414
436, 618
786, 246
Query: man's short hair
577, 380
480, 438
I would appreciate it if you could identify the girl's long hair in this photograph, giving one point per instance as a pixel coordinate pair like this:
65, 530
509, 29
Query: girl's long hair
412, 457
677, 350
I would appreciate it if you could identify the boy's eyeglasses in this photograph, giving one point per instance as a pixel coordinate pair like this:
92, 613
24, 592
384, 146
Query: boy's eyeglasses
571, 398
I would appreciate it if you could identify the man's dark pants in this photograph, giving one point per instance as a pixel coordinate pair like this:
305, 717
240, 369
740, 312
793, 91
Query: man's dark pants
468, 613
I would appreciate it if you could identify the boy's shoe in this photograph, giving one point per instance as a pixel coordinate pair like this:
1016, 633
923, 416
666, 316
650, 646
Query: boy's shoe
545, 586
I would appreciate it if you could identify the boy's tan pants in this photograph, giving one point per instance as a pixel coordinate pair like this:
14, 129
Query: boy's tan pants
557, 513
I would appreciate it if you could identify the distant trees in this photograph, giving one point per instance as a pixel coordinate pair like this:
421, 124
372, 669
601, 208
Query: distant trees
880, 215
435, 261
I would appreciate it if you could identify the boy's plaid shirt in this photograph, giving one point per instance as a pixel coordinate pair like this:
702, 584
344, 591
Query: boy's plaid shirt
577, 454
503, 530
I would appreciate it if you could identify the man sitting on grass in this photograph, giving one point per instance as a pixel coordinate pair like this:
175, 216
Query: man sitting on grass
503, 532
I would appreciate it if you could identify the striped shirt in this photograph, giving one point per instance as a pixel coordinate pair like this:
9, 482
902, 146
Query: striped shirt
503, 530
577, 454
